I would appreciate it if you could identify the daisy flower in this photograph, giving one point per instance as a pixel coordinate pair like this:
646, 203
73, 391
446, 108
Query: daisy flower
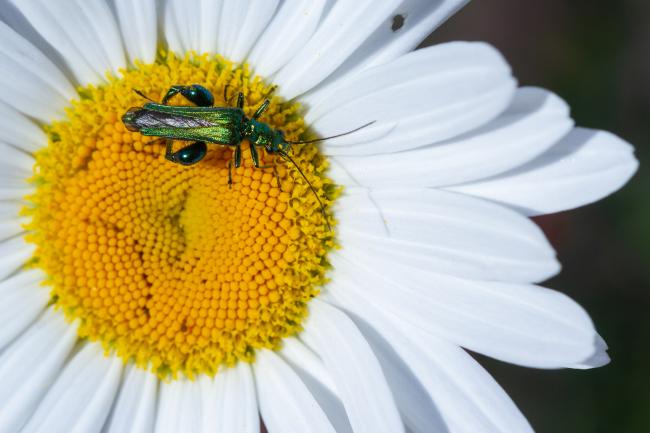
140, 295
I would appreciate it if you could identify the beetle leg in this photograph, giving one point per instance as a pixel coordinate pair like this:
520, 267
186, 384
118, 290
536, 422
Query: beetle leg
237, 156
189, 154
169, 151
195, 93
140, 93
226, 100
255, 156
262, 108
173, 91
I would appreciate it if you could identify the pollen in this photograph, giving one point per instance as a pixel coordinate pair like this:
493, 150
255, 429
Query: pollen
169, 266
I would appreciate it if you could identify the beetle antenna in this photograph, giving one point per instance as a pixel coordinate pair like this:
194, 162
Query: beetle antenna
332, 136
143, 95
286, 157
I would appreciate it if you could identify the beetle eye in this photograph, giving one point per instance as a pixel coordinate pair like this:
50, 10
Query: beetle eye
191, 154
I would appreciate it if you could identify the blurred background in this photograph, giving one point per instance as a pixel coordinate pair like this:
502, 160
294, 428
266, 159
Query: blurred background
596, 55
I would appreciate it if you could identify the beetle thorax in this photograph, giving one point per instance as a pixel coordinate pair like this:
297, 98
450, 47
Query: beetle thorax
259, 134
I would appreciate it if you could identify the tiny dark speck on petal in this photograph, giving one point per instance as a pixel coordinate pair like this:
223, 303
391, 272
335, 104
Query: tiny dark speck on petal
398, 22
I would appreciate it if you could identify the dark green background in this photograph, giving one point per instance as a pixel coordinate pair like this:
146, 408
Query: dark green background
596, 55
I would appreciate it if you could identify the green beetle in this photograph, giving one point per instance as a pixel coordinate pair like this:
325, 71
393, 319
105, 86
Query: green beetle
205, 123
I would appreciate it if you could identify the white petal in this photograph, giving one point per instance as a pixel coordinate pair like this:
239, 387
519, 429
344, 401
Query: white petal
84, 32
354, 369
598, 359
12, 176
19, 131
30, 81
14, 253
521, 324
304, 358
291, 27
137, 21
416, 406
468, 397
82, 395
534, 122
258, 15
286, 404
23, 299
213, 400
347, 25
438, 61
15, 162
171, 28
179, 407
443, 232
229, 27
10, 227
134, 410
195, 28
420, 18
10, 209
240, 406
233, 14
210, 13
11, 223
583, 167
423, 97
315, 376
228, 401
29, 366
459, 395
14, 190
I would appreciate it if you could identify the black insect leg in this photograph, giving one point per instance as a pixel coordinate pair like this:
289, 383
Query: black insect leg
226, 99
140, 93
169, 151
255, 156
187, 155
262, 108
236, 157
195, 93
173, 91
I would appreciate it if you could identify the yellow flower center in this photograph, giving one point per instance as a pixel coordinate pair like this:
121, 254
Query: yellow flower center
164, 264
